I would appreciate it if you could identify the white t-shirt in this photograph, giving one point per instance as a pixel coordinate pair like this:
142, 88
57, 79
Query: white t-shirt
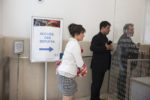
72, 59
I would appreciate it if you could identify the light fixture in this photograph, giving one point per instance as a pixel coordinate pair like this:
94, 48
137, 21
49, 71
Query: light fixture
40, 1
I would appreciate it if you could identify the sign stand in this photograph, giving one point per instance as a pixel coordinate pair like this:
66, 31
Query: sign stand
45, 82
46, 42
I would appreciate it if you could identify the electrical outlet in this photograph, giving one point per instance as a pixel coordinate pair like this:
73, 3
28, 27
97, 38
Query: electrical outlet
18, 46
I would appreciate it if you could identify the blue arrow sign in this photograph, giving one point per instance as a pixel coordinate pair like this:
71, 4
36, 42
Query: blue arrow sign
49, 49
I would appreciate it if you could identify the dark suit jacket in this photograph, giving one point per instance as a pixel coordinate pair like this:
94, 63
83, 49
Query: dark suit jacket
101, 56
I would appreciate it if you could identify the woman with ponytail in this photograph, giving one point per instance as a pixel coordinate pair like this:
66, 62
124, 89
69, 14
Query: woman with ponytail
71, 62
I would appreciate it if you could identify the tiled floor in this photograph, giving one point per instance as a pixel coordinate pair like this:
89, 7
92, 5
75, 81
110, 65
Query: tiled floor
84, 98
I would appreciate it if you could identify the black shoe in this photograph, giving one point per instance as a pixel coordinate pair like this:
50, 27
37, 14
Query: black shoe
101, 99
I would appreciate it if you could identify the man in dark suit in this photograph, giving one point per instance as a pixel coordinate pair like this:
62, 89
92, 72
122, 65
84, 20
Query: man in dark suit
101, 58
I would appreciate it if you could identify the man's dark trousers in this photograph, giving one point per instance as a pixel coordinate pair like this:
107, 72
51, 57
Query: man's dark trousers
97, 80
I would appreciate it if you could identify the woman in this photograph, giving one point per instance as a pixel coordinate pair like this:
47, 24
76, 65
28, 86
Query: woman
71, 61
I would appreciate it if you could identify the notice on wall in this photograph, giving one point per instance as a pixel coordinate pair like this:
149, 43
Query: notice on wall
46, 39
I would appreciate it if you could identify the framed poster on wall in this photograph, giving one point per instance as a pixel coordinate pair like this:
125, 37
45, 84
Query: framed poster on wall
46, 39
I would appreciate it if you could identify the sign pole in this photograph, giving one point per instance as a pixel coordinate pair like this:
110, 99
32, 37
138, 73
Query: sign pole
45, 82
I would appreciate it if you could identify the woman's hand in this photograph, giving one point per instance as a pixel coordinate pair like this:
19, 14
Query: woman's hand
83, 71
58, 63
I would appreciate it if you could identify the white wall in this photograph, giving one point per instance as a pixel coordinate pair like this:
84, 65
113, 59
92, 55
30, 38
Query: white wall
0, 17
17, 15
130, 11
89, 13
147, 24
1, 71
